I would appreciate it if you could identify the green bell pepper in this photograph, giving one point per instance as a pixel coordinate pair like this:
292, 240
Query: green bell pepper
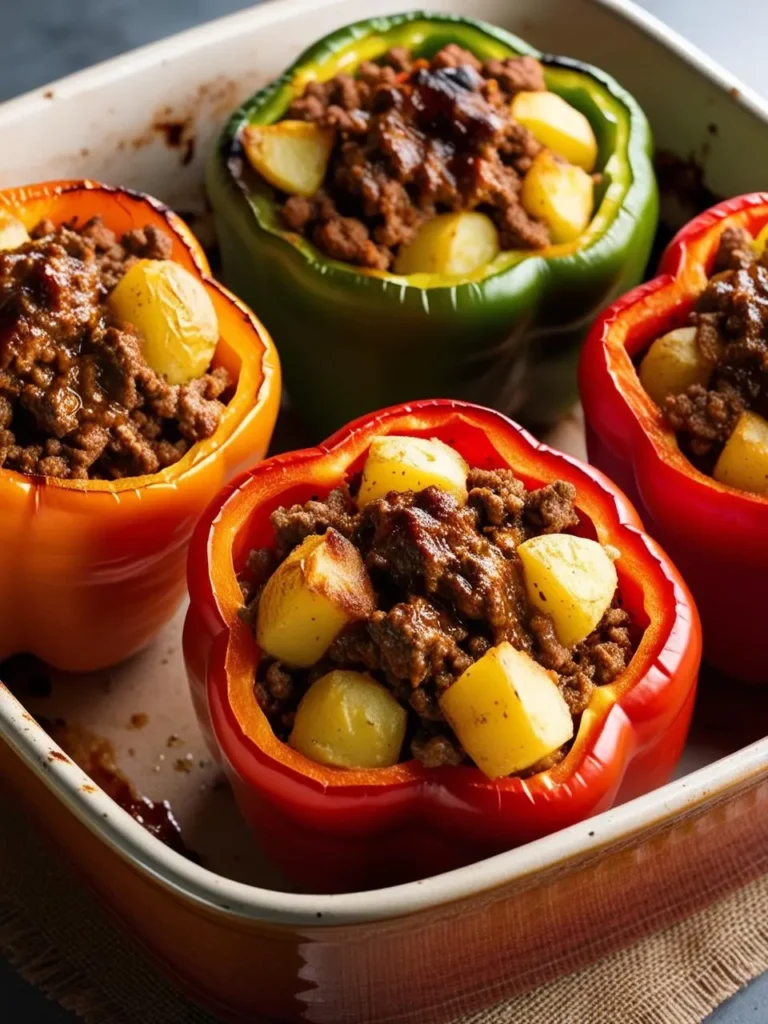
352, 340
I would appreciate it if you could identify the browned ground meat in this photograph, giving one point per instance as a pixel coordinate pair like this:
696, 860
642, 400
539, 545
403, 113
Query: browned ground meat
731, 320
293, 524
448, 586
415, 138
77, 399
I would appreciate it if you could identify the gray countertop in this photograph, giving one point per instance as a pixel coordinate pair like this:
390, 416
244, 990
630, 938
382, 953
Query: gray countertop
45, 39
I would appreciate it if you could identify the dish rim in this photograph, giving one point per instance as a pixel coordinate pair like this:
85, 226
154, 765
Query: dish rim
102, 816
115, 827
231, 25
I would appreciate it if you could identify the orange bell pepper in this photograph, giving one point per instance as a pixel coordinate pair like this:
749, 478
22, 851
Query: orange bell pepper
91, 570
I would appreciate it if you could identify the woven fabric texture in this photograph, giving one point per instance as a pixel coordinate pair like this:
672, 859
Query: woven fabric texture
60, 939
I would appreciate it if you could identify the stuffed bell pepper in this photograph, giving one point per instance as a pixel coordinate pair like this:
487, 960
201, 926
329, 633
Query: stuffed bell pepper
423, 204
429, 640
132, 386
674, 381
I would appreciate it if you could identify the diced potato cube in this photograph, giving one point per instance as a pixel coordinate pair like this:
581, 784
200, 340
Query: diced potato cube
761, 240
672, 363
572, 579
291, 155
451, 244
411, 464
320, 588
349, 720
507, 712
743, 463
559, 194
12, 231
174, 315
557, 125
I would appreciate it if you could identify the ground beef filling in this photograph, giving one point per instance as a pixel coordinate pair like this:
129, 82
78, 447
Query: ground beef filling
77, 399
731, 320
416, 138
448, 586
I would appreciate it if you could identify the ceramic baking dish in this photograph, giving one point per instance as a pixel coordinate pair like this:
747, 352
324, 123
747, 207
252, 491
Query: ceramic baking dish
229, 932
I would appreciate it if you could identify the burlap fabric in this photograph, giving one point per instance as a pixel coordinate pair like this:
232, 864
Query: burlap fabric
59, 939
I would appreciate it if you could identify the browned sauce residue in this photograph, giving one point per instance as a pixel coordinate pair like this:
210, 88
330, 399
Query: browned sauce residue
28, 678
179, 133
684, 194
173, 131
685, 180
96, 757
212, 101
218, 95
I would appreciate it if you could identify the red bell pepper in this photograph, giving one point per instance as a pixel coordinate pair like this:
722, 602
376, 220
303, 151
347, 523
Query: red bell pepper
717, 536
332, 829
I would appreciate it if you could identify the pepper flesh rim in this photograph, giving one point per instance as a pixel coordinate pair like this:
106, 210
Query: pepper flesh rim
682, 278
666, 602
249, 387
619, 106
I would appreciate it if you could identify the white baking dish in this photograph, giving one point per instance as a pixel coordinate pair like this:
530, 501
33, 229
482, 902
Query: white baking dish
429, 950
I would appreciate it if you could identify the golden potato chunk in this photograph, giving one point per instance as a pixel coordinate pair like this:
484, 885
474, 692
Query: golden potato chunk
348, 720
559, 194
672, 363
743, 463
12, 231
410, 464
174, 315
451, 244
320, 587
291, 155
507, 712
571, 579
557, 125
761, 240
